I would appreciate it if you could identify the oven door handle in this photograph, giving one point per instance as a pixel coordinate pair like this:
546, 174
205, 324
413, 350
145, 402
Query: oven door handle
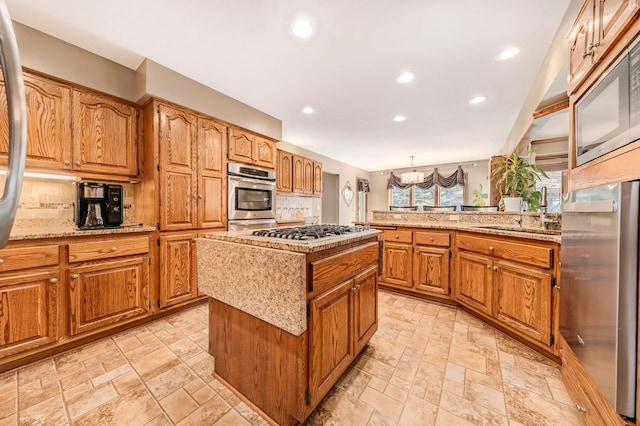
242, 179
253, 222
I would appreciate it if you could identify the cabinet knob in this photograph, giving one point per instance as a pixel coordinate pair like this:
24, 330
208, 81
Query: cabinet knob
397, 236
432, 239
67, 162
488, 266
53, 280
495, 268
1, 261
74, 276
580, 408
114, 248
77, 163
195, 196
491, 248
200, 196
585, 54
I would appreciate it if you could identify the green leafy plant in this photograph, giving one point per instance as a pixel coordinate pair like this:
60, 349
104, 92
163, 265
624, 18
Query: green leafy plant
478, 197
515, 176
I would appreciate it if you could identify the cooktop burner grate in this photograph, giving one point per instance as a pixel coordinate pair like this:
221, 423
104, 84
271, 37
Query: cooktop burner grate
307, 233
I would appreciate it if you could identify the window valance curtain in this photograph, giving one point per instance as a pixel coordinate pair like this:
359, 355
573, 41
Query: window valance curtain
363, 185
456, 178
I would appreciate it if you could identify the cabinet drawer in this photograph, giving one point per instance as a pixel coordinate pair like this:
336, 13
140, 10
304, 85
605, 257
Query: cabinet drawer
398, 236
517, 252
433, 238
80, 252
28, 257
333, 270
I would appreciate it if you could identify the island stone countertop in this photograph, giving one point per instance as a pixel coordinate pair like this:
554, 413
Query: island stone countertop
308, 246
262, 276
18, 234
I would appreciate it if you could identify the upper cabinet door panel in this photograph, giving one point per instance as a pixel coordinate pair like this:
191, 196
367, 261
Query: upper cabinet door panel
580, 46
284, 173
265, 153
48, 123
212, 148
317, 178
614, 15
104, 134
177, 136
240, 146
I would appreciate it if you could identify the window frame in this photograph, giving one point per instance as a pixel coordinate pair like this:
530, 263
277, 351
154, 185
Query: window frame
436, 196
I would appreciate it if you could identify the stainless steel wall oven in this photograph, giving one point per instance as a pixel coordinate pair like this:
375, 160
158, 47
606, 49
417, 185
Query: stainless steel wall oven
252, 197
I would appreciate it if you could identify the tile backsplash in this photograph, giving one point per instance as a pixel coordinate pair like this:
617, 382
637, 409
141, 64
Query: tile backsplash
46, 203
287, 208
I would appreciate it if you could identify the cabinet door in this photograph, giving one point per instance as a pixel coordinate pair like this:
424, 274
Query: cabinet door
264, 152
475, 288
284, 173
298, 174
178, 269
431, 270
331, 348
104, 135
240, 146
107, 293
580, 45
307, 184
48, 123
317, 179
365, 309
28, 311
397, 264
523, 299
613, 16
177, 169
212, 183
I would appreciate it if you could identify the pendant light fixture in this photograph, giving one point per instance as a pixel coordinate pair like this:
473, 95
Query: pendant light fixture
412, 176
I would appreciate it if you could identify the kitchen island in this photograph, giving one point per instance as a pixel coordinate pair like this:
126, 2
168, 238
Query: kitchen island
286, 317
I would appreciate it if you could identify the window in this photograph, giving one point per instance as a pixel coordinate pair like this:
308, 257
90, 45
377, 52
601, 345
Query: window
434, 196
553, 184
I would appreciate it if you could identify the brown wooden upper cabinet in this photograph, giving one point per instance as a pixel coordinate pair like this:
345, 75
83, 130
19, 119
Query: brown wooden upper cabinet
192, 166
74, 129
298, 175
252, 149
598, 25
103, 134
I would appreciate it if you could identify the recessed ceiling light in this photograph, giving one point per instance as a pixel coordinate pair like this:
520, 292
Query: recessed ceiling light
406, 77
477, 100
302, 26
399, 118
507, 53
308, 110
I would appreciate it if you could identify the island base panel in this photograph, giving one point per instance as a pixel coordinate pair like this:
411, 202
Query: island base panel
265, 364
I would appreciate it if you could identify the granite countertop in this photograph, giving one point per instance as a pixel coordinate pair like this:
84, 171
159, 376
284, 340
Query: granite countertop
310, 246
490, 229
57, 232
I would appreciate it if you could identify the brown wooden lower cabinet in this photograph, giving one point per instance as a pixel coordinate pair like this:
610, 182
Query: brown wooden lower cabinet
177, 269
475, 287
29, 310
108, 292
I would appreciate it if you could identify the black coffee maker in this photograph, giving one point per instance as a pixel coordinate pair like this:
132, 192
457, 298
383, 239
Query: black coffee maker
98, 205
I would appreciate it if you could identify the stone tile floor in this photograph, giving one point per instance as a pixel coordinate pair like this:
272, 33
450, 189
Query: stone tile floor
428, 364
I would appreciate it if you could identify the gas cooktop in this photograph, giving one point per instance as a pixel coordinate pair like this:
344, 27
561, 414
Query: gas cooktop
309, 233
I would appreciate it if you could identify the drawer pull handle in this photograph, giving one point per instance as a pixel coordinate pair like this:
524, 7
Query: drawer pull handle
53, 280
580, 408
74, 276
580, 339
114, 248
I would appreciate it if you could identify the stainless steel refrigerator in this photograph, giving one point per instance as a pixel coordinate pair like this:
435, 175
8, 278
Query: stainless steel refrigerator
598, 300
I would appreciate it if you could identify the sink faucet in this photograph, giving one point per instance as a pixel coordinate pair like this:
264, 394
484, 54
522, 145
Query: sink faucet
544, 220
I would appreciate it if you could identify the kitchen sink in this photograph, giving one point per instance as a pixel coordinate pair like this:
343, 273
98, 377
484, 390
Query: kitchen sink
519, 229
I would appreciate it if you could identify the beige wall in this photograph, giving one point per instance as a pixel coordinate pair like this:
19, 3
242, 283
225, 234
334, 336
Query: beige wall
52, 56
476, 175
154, 79
55, 57
346, 173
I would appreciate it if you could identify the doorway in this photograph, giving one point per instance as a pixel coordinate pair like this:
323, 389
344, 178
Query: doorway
330, 198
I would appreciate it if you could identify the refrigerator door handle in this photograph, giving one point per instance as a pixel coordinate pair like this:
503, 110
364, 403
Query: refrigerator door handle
604, 206
16, 104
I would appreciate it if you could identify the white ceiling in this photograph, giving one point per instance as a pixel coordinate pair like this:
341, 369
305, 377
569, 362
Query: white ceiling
347, 71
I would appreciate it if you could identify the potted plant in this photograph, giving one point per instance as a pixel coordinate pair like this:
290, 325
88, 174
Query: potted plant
516, 178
